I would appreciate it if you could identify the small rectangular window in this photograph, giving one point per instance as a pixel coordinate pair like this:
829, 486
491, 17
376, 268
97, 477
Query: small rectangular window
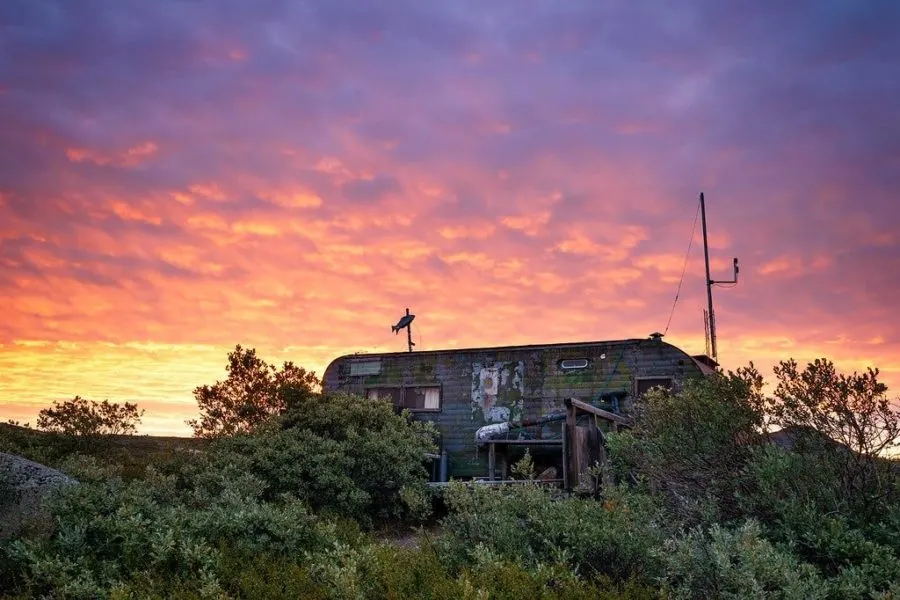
422, 398
413, 398
391, 394
365, 367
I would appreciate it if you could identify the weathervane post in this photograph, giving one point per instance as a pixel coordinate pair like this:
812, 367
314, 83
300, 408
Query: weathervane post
409, 332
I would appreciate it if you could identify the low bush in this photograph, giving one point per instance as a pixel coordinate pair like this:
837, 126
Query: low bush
857, 567
385, 572
381, 572
690, 446
783, 488
738, 564
108, 533
341, 454
531, 525
795, 497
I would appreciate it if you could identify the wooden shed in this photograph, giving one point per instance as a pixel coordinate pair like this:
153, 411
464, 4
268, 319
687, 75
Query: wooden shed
521, 390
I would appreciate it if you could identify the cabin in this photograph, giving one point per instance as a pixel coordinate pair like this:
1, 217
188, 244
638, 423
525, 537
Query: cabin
514, 396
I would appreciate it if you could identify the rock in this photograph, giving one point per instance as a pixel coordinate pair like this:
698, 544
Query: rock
23, 485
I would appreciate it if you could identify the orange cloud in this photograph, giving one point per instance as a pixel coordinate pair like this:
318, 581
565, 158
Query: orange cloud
256, 227
295, 199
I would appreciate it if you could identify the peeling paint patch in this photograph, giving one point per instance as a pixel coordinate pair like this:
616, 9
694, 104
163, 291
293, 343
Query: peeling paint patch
497, 391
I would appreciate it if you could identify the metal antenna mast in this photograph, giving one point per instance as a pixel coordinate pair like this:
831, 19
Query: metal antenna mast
706, 331
710, 283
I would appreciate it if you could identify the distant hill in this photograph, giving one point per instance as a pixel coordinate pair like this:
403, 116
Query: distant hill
788, 437
148, 442
132, 452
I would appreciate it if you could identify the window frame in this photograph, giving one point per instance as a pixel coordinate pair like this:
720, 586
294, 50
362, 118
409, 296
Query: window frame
358, 364
565, 369
403, 391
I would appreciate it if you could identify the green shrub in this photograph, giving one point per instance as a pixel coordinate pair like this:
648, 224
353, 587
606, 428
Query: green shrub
109, 533
43, 447
528, 524
886, 529
268, 577
246, 496
689, 446
389, 572
340, 453
795, 496
856, 565
781, 485
738, 564
83, 418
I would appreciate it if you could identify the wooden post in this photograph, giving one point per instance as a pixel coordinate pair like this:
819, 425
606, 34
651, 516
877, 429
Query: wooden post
572, 442
565, 457
596, 450
492, 460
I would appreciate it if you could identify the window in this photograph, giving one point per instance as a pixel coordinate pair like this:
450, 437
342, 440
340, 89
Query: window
392, 394
365, 367
645, 384
573, 364
413, 398
422, 398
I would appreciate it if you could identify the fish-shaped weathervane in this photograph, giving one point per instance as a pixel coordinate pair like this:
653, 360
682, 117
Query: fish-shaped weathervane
405, 322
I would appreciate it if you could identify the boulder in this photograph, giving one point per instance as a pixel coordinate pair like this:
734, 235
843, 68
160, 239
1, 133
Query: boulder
23, 486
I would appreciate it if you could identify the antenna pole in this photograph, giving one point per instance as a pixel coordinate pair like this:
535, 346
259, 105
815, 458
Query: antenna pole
706, 331
709, 282
409, 333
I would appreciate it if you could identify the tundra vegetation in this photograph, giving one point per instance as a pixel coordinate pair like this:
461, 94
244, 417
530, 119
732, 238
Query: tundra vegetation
284, 492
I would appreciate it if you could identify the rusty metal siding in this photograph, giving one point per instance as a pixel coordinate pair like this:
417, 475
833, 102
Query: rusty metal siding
481, 386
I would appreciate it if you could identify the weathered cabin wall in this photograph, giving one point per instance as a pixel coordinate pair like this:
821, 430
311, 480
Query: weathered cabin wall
492, 385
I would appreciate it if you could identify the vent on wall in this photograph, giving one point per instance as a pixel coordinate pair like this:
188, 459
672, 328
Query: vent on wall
573, 364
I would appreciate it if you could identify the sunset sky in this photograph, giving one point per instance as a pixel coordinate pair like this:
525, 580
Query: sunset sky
180, 177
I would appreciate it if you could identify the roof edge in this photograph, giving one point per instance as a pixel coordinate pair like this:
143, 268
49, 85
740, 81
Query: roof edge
363, 355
